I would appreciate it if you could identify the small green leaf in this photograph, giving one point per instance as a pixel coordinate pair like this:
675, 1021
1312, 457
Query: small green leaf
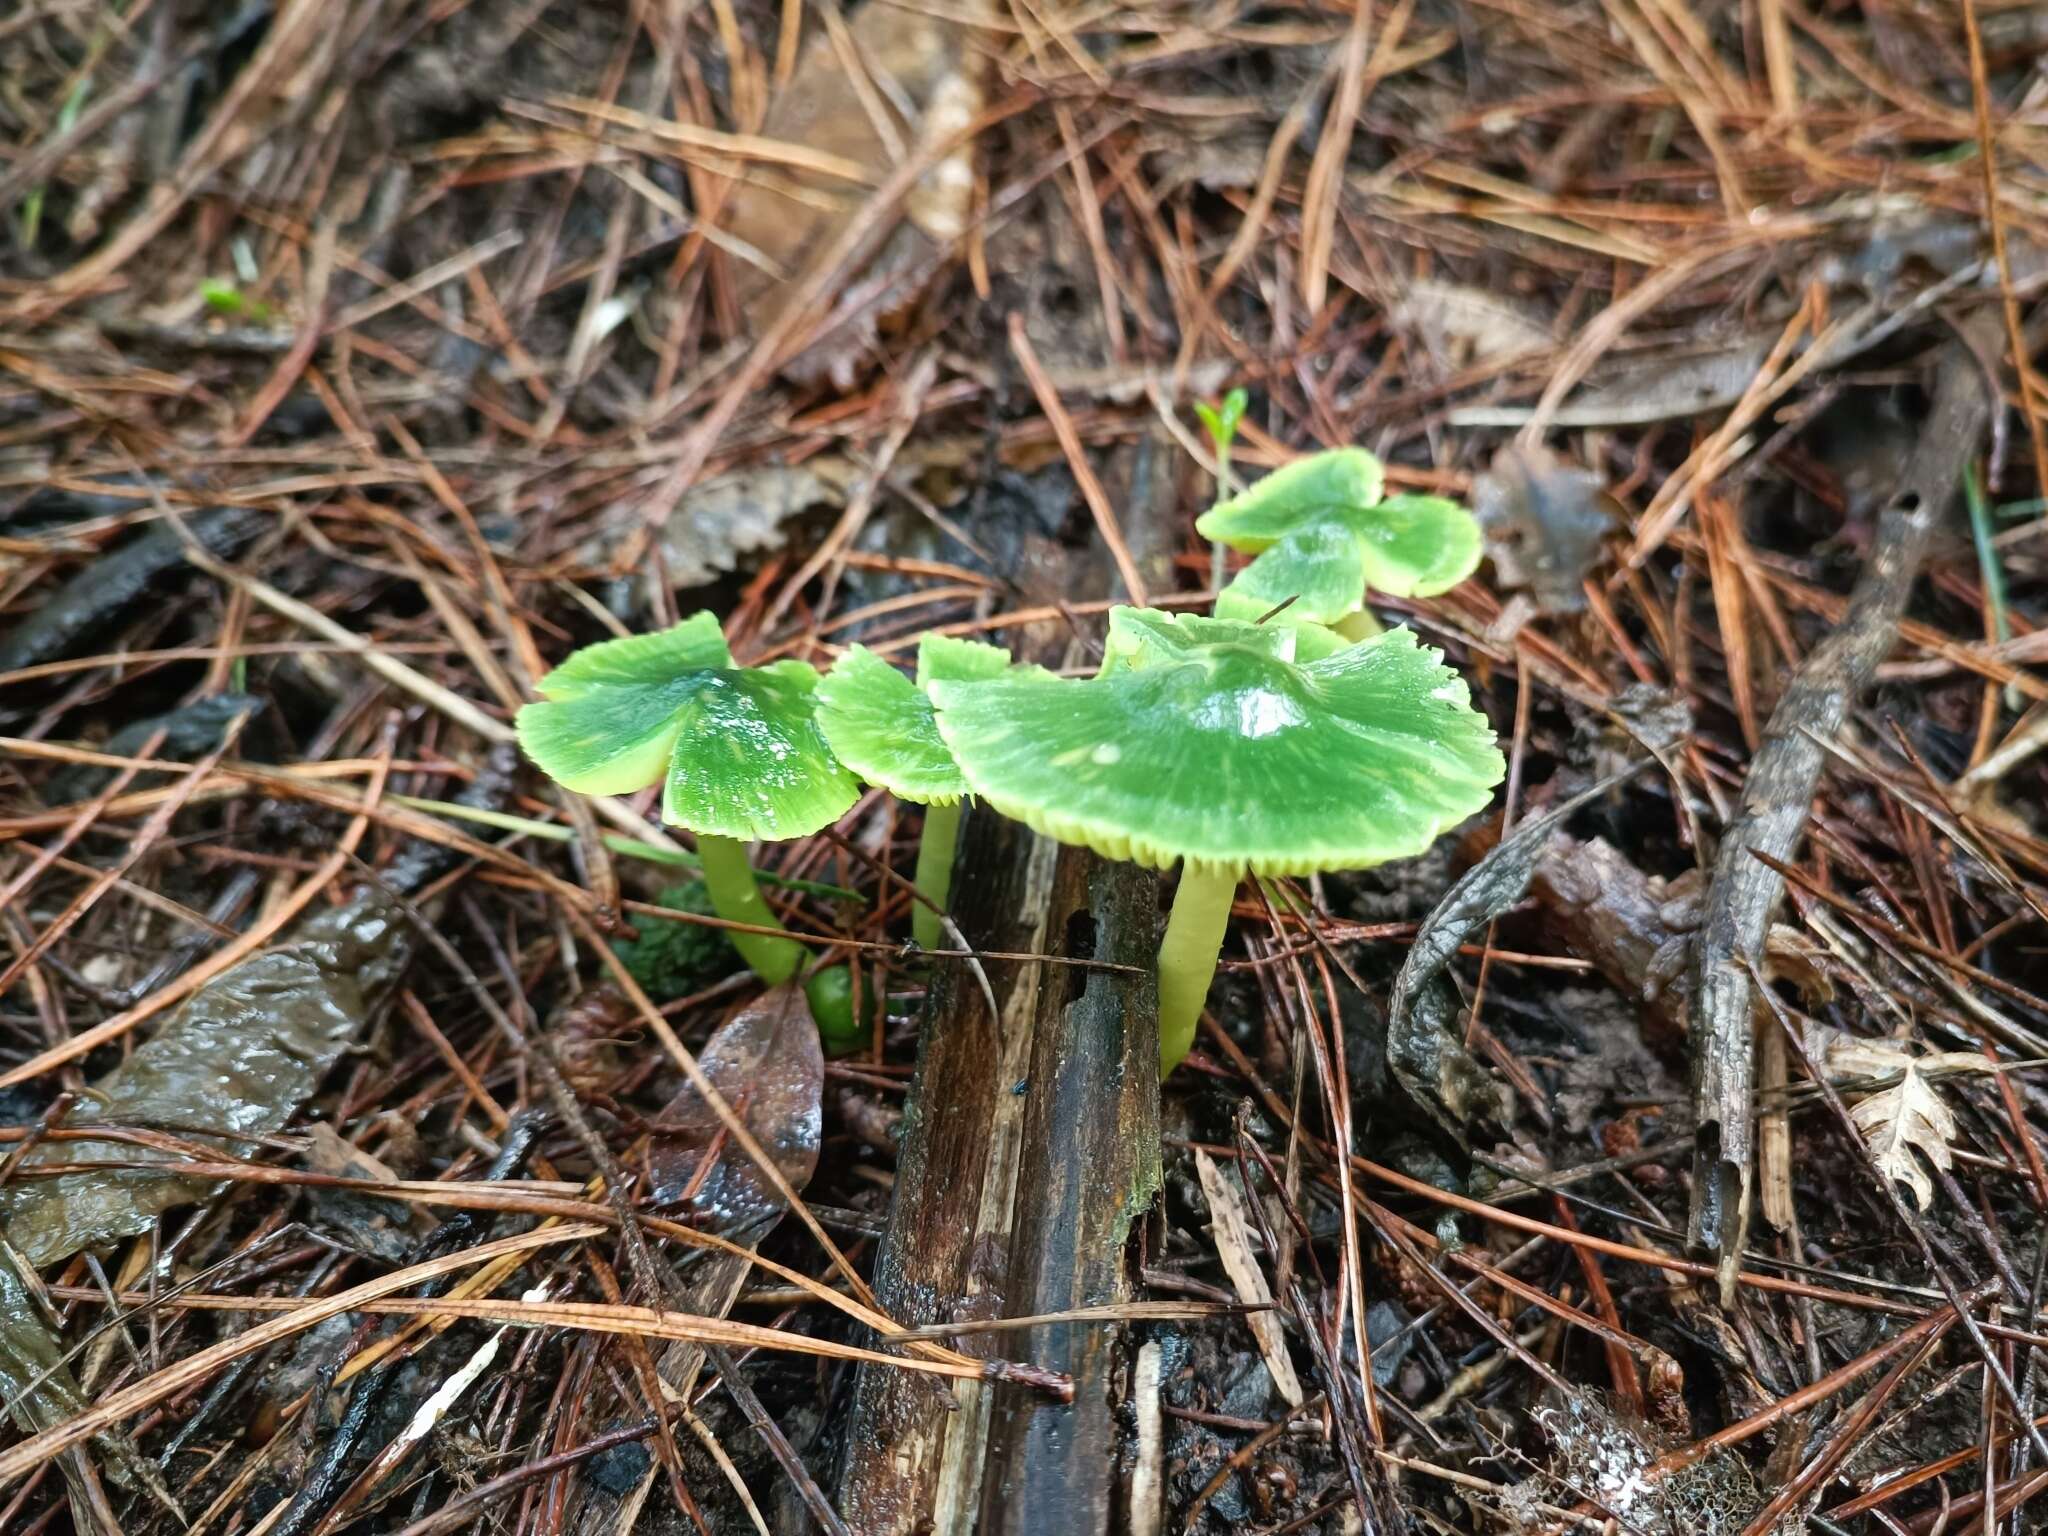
1323, 536
958, 661
741, 751
1148, 637
1307, 490
1221, 420
1312, 640
1223, 752
222, 297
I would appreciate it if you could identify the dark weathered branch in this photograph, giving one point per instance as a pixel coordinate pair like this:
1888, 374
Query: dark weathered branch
1778, 796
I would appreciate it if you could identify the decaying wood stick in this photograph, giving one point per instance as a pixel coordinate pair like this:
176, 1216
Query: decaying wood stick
987, 1219
1778, 796
1089, 1168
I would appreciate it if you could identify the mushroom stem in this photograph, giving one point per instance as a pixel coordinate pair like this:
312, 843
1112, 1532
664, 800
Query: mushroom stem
729, 882
1187, 956
935, 874
1359, 626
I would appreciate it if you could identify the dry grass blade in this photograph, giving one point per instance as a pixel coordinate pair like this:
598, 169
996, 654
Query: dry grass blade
1233, 1236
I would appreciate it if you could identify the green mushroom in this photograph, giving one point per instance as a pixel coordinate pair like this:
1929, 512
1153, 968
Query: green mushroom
1210, 742
880, 724
739, 755
1324, 534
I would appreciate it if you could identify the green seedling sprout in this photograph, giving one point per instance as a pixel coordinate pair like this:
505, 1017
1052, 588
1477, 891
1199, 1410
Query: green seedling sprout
880, 724
739, 755
228, 301
1324, 533
1220, 422
1209, 742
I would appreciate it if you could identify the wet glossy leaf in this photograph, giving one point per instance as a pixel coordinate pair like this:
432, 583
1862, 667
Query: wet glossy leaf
766, 1063
1210, 745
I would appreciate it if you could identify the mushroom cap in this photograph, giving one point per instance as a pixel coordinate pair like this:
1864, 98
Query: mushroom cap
1323, 535
1205, 739
1299, 491
1313, 638
741, 751
880, 723
1139, 638
1321, 566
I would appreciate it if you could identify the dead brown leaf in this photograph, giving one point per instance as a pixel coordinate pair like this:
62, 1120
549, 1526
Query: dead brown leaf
1544, 520
765, 1062
871, 92
1908, 1114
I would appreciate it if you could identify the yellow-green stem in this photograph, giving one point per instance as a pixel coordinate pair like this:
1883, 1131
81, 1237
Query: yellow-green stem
1359, 626
1187, 956
935, 874
1219, 558
729, 881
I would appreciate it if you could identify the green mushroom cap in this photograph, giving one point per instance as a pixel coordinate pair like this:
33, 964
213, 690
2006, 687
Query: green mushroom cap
881, 724
1208, 740
740, 748
1339, 480
1323, 536
1313, 638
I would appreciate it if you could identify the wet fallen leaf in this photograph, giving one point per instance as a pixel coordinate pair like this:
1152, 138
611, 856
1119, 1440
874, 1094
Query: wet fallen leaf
1544, 520
765, 1062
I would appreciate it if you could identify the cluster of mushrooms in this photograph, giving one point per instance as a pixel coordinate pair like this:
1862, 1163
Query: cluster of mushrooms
1286, 735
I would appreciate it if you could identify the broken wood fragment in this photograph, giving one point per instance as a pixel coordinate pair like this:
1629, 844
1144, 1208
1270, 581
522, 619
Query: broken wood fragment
1778, 796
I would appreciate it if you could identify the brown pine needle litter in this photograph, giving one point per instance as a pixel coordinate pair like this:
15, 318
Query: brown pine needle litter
390, 1143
